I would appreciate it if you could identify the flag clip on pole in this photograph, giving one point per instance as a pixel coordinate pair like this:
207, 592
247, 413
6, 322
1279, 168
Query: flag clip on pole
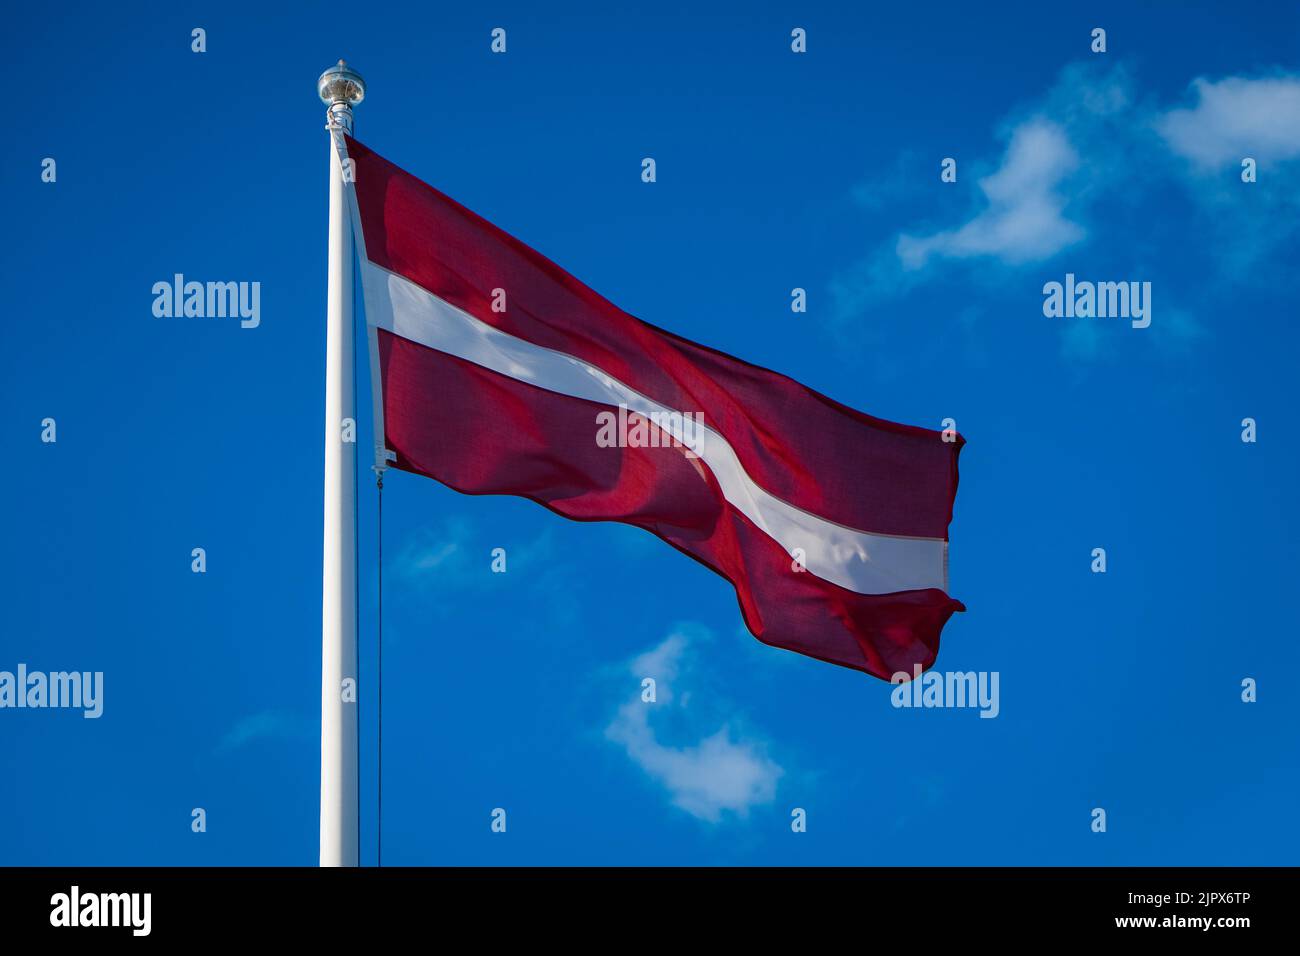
341, 88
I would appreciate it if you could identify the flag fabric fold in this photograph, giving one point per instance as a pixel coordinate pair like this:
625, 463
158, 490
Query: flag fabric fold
500, 373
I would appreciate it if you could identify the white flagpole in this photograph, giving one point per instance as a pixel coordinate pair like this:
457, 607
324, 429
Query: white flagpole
341, 88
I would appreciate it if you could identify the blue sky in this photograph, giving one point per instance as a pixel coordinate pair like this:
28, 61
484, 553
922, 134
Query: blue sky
775, 170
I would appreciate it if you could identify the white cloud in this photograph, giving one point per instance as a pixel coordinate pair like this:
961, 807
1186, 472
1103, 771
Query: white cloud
1091, 161
723, 771
1234, 118
1088, 141
1024, 220
661, 662
1032, 205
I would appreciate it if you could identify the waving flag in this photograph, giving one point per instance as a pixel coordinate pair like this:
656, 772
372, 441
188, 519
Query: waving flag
500, 373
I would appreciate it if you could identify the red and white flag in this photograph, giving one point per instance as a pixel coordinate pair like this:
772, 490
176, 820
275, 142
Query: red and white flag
500, 373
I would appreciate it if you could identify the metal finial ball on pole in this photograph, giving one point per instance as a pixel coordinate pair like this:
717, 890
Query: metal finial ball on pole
341, 88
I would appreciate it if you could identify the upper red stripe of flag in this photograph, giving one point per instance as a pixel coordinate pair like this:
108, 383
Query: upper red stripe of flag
811, 451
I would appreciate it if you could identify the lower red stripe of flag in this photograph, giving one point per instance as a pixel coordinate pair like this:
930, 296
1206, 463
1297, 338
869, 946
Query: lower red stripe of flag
481, 432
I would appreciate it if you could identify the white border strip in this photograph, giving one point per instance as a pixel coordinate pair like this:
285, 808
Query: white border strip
860, 561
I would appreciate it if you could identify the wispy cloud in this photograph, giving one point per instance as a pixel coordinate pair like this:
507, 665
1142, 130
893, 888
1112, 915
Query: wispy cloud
456, 555
714, 768
455, 558
266, 725
432, 551
894, 186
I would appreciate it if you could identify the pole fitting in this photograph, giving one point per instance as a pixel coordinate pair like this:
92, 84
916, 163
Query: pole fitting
340, 88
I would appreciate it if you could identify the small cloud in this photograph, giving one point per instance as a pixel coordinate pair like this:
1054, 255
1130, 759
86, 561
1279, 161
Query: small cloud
707, 775
1082, 342
1234, 118
432, 558
1023, 220
455, 557
899, 183
661, 662
267, 725
1179, 331
428, 551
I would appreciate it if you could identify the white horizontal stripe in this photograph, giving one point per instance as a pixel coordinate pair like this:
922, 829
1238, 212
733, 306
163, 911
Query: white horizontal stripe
857, 560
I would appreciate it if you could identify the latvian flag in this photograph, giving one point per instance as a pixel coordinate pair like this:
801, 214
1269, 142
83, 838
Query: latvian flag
500, 373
